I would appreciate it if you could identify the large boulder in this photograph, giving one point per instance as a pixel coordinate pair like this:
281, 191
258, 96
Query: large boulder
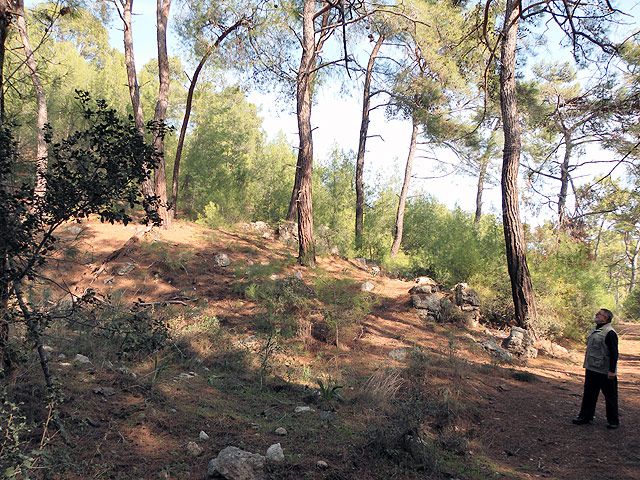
520, 343
233, 463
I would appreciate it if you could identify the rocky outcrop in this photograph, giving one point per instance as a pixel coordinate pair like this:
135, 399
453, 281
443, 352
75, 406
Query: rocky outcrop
520, 343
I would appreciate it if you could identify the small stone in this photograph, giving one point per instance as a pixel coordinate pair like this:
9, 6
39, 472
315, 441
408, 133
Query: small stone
399, 354
64, 364
106, 391
173, 410
326, 415
194, 449
185, 376
303, 409
126, 269
281, 431
275, 453
62, 356
203, 436
108, 280
107, 364
322, 465
79, 358
274, 277
298, 274
367, 287
221, 260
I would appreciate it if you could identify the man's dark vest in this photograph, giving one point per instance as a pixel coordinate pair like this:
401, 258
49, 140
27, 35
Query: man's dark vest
597, 357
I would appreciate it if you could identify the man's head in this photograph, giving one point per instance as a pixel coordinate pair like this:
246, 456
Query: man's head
604, 316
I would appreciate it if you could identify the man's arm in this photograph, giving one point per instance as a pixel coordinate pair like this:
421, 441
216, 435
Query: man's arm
611, 340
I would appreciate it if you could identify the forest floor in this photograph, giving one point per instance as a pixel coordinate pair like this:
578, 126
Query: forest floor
474, 418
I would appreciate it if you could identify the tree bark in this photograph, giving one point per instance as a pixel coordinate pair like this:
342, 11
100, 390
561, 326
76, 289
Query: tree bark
183, 133
5, 22
564, 179
134, 88
479, 190
521, 286
306, 252
160, 176
362, 141
397, 236
41, 116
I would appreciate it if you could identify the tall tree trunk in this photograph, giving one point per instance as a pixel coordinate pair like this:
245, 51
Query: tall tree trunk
41, 116
306, 253
5, 357
5, 22
521, 286
134, 88
564, 179
183, 133
397, 236
160, 176
479, 190
362, 141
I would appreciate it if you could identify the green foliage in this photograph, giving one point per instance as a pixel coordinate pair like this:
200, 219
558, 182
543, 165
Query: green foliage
631, 306
568, 282
447, 245
230, 172
334, 198
329, 392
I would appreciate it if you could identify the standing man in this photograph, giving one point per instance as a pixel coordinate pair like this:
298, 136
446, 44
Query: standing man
600, 362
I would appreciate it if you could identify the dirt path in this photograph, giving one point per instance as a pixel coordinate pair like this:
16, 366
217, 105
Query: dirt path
527, 426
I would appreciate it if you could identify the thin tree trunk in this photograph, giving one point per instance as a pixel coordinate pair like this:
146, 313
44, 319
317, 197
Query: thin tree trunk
134, 88
362, 141
521, 286
306, 252
183, 133
564, 180
480, 190
160, 176
41, 116
5, 357
397, 236
292, 212
5, 22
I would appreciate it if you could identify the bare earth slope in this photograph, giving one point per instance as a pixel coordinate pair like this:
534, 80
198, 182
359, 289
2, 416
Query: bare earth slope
522, 428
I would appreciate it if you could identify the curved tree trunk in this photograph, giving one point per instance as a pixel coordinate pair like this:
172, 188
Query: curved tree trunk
362, 141
183, 133
160, 176
306, 252
41, 117
521, 286
397, 236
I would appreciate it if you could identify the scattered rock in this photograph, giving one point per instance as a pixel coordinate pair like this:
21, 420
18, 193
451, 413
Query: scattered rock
367, 287
62, 356
79, 358
203, 436
520, 343
221, 260
326, 415
430, 302
126, 268
400, 354
303, 409
281, 431
186, 376
465, 296
275, 453
375, 270
194, 449
235, 464
496, 350
107, 364
322, 465
298, 275
287, 233
274, 277
417, 289
106, 391
92, 423
427, 281
108, 280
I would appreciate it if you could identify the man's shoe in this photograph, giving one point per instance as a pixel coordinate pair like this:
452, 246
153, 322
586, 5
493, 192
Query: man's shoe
580, 421
612, 426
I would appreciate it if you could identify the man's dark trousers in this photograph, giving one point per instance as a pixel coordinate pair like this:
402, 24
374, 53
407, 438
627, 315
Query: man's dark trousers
593, 383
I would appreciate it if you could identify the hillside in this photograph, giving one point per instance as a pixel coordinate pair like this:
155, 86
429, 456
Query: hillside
247, 344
